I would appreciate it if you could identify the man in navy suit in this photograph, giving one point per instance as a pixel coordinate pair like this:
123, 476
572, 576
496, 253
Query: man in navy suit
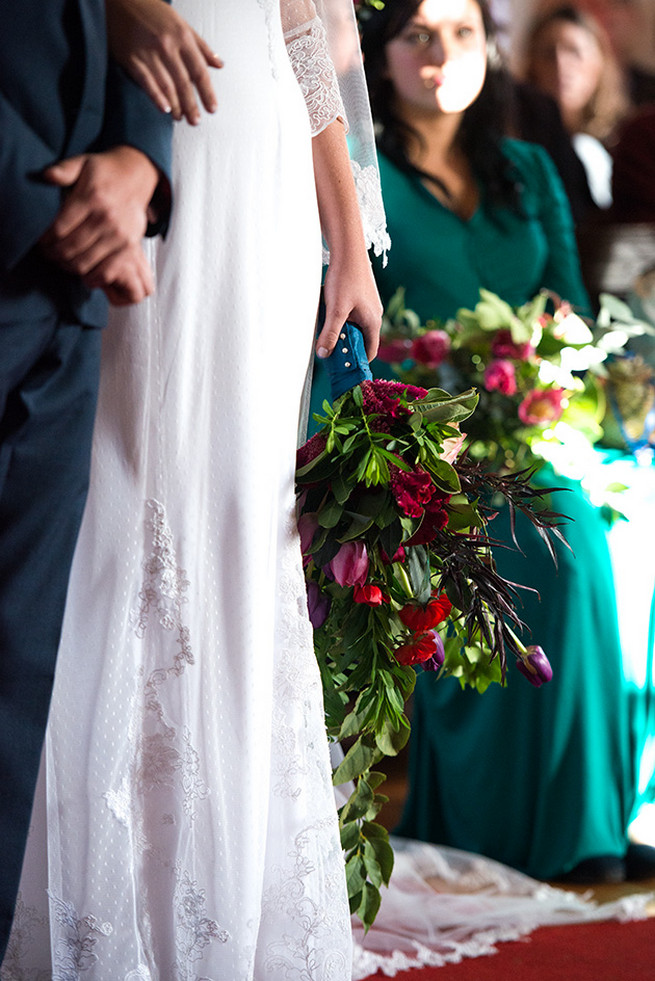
83, 162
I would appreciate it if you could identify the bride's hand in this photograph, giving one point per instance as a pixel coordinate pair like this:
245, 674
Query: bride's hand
163, 54
350, 293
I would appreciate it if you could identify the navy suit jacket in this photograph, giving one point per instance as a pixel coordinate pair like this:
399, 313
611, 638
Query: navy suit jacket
60, 95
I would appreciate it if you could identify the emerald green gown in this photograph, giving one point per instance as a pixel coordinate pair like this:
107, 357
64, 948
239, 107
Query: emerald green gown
536, 778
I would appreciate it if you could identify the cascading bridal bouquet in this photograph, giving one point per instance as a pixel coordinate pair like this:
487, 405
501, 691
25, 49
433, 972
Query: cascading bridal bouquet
400, 574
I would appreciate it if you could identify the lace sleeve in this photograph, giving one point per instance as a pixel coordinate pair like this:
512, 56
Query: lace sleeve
307, 44
323, 44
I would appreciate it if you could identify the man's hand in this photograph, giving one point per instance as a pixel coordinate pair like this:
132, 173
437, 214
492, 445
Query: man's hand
105, 209
125, 277
164, 55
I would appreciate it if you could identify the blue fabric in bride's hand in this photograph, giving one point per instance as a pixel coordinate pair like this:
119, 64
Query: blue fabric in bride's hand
348, 365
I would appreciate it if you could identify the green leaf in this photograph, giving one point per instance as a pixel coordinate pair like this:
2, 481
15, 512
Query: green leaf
390, 741
330, 515
357, 760
383, 855
350, 836
355, 874
445, 476
417, 563
369, 905
372, 866
454, 409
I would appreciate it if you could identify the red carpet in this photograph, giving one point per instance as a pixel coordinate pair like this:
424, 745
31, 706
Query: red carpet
607, 951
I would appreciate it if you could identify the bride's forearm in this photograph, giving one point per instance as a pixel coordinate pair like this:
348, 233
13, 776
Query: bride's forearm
350, 292
335, 187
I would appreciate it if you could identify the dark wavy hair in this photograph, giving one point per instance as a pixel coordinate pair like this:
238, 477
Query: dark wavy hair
484, 123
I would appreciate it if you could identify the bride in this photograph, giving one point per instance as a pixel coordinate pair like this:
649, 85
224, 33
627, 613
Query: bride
186, 803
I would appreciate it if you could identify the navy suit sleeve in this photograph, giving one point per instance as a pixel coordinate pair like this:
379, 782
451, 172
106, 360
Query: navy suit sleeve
132, 119
31, 205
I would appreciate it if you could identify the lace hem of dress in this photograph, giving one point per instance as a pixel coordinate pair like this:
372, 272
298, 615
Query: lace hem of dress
310, 59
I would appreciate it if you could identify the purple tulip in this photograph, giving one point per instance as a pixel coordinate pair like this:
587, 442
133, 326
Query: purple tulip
350, 565
435, 663
318, 605
535, 666
307, 525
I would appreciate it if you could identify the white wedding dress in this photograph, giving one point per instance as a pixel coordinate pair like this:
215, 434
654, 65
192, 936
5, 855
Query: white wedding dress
191, 826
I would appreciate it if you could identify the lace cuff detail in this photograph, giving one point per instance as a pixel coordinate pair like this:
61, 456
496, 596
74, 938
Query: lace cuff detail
307, 46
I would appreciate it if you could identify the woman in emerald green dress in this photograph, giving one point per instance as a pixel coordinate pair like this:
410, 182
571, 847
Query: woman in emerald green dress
538, 779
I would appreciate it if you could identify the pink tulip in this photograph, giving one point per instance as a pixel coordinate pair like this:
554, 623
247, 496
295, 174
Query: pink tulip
350, 565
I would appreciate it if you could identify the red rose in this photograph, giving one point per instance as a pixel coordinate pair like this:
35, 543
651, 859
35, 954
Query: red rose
419, 649
421, 618
371, 595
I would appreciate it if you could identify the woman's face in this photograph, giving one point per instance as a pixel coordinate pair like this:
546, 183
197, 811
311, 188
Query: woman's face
567, 63
437, 64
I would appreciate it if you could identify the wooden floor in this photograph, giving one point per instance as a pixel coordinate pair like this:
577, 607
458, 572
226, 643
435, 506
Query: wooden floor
395, 789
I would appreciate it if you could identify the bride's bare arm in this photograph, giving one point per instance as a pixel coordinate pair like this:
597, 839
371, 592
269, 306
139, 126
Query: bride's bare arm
350, 292
163, 54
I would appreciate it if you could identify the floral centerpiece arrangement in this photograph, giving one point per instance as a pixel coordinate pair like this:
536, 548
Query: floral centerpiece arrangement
400, 574
547, 380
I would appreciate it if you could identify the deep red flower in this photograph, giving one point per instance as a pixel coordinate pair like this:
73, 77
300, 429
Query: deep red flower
383, 397
310, 450
369, 594
412, 490
435, 518
420, 648
420, 618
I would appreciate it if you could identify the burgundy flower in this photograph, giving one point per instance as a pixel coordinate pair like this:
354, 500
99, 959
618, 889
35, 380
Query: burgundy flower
435, 663
500, 376
420, 618
310, 450
412, 490
318, 605
369, 594
350, 565
431, 348
435, 517
418, 649
541, 406
535, 666
395, 351
503, 346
